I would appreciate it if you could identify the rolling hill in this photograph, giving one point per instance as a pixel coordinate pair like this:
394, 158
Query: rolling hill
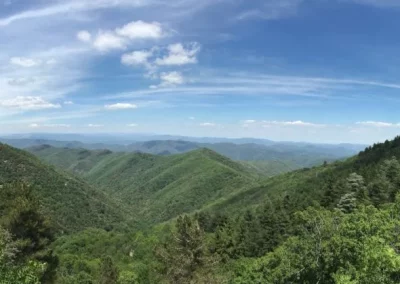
323, 184
156, 188
268, 158
72, 203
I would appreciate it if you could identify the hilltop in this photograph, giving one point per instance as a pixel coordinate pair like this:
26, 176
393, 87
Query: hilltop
157, 188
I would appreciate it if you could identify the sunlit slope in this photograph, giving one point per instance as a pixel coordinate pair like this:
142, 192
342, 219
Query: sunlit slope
72, 203
156, 188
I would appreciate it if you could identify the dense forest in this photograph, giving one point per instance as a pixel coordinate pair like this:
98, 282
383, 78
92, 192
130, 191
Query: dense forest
198, 217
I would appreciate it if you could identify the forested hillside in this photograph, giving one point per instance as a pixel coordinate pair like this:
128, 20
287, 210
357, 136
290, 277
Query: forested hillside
157, 188
267, 157
336, 223
72, 203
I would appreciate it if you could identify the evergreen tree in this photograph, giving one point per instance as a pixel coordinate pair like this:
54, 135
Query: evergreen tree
356, 184
108, 271
185, 257
331, 192
30, 229
347, 203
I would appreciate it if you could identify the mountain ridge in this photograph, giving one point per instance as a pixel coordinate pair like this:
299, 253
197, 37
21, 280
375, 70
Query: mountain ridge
60, 193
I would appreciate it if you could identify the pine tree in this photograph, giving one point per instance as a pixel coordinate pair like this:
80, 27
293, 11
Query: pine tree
355, 184
347, 203
185, 257
331, 192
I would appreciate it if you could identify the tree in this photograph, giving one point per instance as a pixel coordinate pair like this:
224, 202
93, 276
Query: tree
108, 271
185, 257
30, 229
355, 184
11, 271
331, 247
332, 191
347, 203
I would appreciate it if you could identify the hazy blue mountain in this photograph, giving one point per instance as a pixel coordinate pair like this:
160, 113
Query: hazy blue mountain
290, 154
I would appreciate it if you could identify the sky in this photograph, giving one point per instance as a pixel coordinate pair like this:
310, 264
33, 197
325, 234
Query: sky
294, 70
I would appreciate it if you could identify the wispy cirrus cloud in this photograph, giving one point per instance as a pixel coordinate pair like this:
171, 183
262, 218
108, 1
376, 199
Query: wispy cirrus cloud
28, 103
379, 124
25, 62
376, 3
271, 10
295, 123
70, 6
120, 106
208, 124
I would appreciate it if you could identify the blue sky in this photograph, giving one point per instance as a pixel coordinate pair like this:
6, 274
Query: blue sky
300, 70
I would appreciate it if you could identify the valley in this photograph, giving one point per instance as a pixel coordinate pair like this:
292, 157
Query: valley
126, 205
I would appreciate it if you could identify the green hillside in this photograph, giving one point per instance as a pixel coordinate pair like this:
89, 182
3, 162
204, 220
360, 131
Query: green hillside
312, 225
336, 223
324, 184
294, 155
157, 188
268, 168
71, 202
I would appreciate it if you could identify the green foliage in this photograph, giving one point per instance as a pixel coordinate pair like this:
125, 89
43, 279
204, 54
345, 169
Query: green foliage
108, 272
157, 188
14, 271
81, 255
333, 247
31, 231
185, 257
71, 202
338, 223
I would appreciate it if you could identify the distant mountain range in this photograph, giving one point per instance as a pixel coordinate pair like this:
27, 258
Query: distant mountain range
266, 156
126, 139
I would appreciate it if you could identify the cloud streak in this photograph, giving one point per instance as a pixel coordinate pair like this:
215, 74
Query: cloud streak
69, 6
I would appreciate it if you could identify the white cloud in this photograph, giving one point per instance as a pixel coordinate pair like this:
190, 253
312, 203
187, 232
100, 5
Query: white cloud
208, 124
378, 124
107, 41
28, 103
132, 125
119, 106
68, 103
291, 123
95, 125
57, 125
84, 36
36, 125
141, 30
25, 62
121, 38
248, 122
179, 55
173, 78
137, 58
